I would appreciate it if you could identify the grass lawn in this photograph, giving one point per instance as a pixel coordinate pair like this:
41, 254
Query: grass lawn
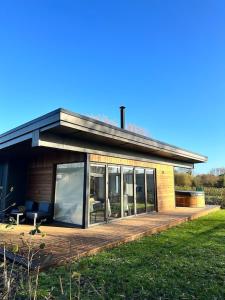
185, 262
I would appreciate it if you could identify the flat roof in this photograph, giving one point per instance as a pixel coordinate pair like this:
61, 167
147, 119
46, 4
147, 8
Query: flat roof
62, 121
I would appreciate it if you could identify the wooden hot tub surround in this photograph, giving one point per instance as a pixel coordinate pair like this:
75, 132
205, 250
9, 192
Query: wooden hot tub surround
193, 199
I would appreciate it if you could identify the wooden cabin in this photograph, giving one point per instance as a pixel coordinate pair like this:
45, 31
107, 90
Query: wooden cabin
90, 171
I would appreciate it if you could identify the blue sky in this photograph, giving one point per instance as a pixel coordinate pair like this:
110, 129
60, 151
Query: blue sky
163, 60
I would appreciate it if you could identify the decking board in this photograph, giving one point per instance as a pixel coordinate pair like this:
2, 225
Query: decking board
64, 244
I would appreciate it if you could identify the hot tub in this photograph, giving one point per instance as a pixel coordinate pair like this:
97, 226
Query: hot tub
190, 198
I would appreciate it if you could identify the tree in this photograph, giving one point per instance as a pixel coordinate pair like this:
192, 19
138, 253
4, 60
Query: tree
130, 127
221, 181
197, 181
217, 171
183, 179
136, 129
104, 119
209, 180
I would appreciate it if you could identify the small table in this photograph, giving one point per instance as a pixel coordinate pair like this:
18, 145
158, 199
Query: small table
32, 216
18, 215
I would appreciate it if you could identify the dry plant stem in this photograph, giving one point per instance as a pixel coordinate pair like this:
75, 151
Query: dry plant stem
70, 282
10, 279
30, 257
36, 283
78, 293
61, 285
70, 274
29, 282
94, 288
5, 269
28, 271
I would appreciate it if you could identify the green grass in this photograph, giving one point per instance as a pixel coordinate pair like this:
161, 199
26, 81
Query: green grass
185, 262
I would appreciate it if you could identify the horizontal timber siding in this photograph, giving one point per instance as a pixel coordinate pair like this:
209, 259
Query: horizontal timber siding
164, 178
190, 201
40, 179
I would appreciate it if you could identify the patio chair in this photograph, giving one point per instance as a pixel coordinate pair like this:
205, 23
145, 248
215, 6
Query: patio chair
29, 204
43, 212
21, 210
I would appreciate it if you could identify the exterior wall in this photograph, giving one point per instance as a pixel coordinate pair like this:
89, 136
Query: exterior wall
164, 178
16, 178
3, 183
41, 173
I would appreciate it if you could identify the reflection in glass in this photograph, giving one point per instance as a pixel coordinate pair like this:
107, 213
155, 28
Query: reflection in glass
140, 191
128, 192
97, 194
114, 201
150, 180
69, 193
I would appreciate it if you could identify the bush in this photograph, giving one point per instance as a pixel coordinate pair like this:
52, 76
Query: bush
183, 179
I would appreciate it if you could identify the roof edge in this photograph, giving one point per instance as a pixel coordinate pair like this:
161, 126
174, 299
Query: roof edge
58, 110
196, 156
203, 157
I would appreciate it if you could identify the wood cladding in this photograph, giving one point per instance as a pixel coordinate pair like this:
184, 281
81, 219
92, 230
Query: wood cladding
164, 177
194, 201
40, 177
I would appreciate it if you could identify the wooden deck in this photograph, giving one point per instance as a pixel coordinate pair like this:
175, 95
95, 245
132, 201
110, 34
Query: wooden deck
65, 243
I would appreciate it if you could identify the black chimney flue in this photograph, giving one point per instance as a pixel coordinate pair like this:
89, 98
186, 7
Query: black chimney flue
122, 117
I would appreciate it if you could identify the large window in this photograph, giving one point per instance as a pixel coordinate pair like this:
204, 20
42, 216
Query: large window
97, 206
114, 193
140, 191
69, 193
150, 181
128, 191
107, 201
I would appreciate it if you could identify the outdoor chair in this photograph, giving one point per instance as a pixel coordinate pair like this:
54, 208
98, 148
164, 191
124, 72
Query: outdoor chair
43, 213
97, 210
29, 204
21, 210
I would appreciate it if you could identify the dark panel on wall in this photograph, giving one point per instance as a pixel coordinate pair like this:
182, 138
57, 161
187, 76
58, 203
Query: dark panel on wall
17, 172
3, 183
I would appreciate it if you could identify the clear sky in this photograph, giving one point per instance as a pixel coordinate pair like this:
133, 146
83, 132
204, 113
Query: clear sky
163, 59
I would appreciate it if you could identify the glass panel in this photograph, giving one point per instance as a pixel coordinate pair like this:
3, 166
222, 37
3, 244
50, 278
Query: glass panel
69, 193
150, 180
114, 202
140, 191
97, 194
128, 191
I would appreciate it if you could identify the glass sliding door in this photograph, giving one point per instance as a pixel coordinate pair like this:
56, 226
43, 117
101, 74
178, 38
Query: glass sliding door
69, 188
150, 181
140, 191
128, 191
114, 193
97, 199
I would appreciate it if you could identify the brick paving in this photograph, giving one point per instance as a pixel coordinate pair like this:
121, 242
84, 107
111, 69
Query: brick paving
64, 244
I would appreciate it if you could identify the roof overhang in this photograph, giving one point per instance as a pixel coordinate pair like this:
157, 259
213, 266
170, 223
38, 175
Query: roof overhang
67, 130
